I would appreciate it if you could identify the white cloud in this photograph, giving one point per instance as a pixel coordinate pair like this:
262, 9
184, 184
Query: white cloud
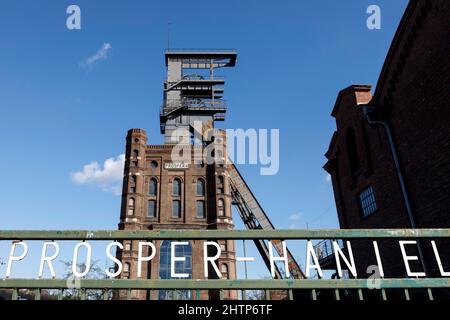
102, 54
292, 226
108, 178
295, 216
328, 178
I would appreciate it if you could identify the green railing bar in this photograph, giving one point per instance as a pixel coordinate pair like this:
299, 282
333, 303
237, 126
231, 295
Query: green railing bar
128, 293
285, 284
197, 294
267, 294
37, 294
60, 294
244, 295
222, 234
291, 294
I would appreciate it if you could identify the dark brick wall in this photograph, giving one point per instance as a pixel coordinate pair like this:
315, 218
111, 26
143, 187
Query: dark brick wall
413, 97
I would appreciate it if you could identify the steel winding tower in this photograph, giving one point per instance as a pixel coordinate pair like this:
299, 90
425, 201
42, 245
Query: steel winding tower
162, 192
191, 97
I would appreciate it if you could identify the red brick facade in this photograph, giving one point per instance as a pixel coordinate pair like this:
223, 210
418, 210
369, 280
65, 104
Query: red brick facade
413, 98
145, 162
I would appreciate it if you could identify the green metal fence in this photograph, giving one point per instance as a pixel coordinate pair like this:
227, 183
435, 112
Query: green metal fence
290, 286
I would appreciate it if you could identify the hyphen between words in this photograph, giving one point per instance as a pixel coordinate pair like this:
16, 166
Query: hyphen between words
147, 251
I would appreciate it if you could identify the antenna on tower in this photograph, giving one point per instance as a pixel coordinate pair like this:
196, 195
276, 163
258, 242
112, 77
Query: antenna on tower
168, 35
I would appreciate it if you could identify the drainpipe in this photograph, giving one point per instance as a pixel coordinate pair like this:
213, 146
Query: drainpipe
368, 111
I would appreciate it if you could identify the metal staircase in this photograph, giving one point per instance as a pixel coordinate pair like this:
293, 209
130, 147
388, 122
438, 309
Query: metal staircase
254, 217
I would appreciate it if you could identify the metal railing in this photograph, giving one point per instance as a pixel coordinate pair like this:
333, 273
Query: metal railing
170, 105
338, 287
324, 249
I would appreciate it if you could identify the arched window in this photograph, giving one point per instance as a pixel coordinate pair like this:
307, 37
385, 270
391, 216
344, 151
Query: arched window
135, 153
152, 186
224, 270
176, 209
201, 213
352, 150
126, 267
221, 207
176, 187
180, 267
200, 187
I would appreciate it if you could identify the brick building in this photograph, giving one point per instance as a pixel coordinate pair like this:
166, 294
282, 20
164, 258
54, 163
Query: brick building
389, 158
160, 191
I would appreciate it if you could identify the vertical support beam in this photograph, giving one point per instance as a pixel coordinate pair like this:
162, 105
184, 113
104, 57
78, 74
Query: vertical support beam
267, 294
336, 294
430, 294
291, 294
105, 294
60, 294
383, 295
360, 295
15, 294
314, 294
407, 297
37, 294
128, 294
83, 294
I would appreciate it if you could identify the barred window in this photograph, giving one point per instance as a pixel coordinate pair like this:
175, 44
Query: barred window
367, 201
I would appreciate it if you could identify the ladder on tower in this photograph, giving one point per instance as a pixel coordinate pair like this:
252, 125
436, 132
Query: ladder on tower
254, 218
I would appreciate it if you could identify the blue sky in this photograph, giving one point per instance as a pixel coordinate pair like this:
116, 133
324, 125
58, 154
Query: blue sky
58, 115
